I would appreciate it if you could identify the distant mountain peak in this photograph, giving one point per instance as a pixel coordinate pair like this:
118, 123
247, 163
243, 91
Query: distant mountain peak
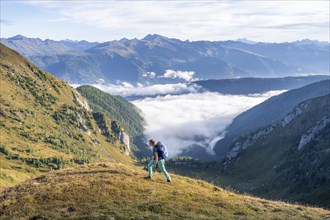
247, 41
17, 37
123, 40
152, 37
309, 42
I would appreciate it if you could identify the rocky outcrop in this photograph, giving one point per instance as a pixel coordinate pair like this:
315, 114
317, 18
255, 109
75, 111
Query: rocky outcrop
82, 123
244, 144
312, 133
81, 101
112, 130
124, 139
104, 125
251, 139
296, 112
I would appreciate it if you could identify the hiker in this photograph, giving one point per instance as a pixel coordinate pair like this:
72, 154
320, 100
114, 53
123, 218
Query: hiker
160, 154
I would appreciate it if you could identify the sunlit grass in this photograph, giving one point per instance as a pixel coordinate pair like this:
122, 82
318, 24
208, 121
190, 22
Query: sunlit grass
106, 190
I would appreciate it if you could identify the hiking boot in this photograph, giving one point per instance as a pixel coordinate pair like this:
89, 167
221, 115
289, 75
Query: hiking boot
147, 178
169, 181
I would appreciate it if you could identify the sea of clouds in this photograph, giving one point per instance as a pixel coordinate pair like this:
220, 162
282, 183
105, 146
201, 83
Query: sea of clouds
183, 114
190, 119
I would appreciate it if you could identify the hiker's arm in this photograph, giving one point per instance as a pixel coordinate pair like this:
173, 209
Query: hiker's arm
156, 158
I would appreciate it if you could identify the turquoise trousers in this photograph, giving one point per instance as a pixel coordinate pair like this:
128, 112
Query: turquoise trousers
161, 165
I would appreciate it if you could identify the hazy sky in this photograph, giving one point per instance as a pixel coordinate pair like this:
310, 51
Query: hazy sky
271, 21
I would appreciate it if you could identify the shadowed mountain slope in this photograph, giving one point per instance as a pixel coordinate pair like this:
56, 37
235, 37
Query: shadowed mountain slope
289, 159
268, 112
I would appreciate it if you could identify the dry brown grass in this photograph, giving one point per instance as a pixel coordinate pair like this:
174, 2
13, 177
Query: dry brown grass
118, 191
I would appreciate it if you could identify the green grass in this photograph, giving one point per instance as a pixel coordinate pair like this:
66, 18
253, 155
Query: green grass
40, 124
118, 191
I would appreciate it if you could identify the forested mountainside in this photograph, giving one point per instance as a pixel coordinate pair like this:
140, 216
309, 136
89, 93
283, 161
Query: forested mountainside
46, 124
117, 108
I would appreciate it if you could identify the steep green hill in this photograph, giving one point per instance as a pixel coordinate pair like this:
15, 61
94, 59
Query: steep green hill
117, 108
288, 160
117, 191
45, 124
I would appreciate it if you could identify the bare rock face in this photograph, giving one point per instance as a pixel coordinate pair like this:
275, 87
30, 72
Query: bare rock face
124, 139
82, 123
311, 134
295, 113
250, 140
81, 101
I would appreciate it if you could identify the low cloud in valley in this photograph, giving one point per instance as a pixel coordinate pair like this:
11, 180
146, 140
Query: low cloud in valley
180, 120
182, 115
126, 89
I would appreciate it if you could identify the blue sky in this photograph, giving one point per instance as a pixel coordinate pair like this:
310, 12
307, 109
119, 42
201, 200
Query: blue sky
268, 21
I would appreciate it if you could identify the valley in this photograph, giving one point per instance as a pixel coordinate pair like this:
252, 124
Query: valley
55, 137
229, 100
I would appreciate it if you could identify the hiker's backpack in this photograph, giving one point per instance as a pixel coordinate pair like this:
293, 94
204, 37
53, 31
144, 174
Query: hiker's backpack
162, 150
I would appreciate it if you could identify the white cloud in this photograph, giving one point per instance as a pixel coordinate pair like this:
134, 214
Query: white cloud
185, 75
126, 89
198, 20
178, 119
150, 75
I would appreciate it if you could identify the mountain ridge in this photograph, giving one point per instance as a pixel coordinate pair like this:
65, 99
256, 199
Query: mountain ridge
130, 60
258, 85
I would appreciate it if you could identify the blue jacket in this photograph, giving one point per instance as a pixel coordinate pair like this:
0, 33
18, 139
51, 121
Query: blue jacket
159, 152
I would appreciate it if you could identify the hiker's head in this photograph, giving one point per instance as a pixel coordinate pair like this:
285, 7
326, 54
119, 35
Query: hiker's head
152, 142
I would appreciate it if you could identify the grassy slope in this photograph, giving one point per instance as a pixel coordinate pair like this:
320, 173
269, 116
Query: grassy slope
118, 191
39, 122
